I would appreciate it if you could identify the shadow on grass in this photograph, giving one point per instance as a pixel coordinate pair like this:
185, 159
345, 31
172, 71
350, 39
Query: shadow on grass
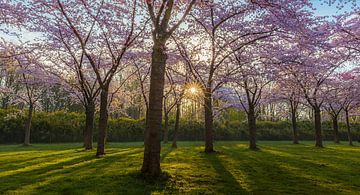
274, 169
39, 147
165, 153
115, 173
19, 161
265, 170
225, 177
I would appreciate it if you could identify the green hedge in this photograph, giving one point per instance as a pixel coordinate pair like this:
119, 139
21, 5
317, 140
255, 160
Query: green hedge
68, 127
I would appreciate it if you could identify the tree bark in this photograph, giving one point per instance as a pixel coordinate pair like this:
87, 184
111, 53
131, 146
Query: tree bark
252, 127
166, 127
209, 147
5, 102
318, 136
348, 127
336, 129
151, 161
89, 125
294, 127
28, 125
176, 129
103, 118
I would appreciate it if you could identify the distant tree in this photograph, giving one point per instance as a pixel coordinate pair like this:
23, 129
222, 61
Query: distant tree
30, 77
311, 70
75, 74
250, 84
334, 103
287, 91
350, 97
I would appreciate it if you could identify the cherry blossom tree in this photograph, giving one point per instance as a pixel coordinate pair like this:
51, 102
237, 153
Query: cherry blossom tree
311, 69
75, 73
7, 81
206, 56
29, 76
177, 82
250, 84
228, 28
334, 103
169, 104
287, 91
142, 75
166, 16
95, 29
350, 97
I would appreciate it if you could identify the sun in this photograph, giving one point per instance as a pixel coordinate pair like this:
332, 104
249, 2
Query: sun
193, 90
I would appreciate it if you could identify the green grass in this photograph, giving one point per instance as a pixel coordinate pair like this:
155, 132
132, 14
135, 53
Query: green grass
278, 167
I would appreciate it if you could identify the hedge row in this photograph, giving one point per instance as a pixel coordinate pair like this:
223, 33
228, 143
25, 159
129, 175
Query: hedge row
68, 127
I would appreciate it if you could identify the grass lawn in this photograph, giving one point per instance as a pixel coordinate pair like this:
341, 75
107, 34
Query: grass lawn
278, 167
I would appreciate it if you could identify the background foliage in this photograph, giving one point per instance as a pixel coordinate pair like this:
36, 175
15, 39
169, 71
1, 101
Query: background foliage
60, 126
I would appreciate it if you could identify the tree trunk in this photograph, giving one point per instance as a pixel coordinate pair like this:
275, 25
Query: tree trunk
89, 125
348, 127
151, 162
166, 127
311, 114
102, 122
294, 127
176, 129
318, 136
209, 147
272, 112
28, 125
336, 129
5, 102
252, 128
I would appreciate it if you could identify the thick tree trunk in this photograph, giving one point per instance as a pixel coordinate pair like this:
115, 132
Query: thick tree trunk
252, 128
166, 128
294, 127
103, 119
89, 125
318, 136
151, 162
348, 127
209, 147
28, 125
176, 129
336, 129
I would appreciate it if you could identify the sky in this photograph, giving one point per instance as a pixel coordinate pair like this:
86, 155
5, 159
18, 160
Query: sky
324, 9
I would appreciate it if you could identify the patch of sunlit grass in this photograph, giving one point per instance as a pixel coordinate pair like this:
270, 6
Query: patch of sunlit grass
278, 167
